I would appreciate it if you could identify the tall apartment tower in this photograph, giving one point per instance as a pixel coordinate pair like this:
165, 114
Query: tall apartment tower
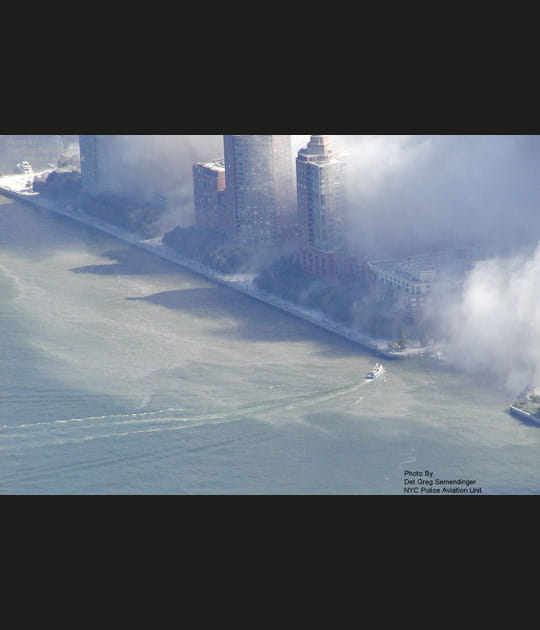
320, 182
211, 212
94, 151
259, 192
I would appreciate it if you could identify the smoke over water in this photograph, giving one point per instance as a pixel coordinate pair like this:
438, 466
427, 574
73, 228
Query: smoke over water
409, 195
495, 328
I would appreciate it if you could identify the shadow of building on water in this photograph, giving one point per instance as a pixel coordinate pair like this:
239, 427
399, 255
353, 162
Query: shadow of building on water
253, 320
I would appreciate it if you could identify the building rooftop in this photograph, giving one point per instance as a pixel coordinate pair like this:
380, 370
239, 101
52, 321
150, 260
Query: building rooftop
320, 151
443, 266
215, 165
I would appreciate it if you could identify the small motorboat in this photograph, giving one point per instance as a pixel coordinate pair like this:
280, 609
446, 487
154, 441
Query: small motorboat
377, 370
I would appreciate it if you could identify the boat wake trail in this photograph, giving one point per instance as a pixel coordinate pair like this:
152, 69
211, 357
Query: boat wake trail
113, 429
79, 430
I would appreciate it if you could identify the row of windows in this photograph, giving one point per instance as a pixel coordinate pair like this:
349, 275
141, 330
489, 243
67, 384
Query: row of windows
400, 284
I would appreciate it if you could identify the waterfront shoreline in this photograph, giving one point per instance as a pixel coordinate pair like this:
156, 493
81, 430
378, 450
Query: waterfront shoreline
238, 282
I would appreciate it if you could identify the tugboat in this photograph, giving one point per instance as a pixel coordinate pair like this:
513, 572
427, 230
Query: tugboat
377, 370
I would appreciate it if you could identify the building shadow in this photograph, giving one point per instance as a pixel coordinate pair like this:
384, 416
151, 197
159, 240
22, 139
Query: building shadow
130, 261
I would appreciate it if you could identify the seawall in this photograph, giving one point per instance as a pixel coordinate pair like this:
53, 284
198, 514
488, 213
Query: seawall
240, 285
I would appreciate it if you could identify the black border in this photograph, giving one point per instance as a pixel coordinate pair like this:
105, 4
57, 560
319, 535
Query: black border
216, 98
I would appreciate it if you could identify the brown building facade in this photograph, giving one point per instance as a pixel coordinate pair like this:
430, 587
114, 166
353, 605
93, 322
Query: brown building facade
211, 211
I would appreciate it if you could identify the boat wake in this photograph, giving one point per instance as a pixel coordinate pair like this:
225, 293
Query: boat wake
75, 430
112, 429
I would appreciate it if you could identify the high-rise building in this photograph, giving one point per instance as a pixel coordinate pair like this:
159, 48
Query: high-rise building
320, 182
94, 152
211, 212
259, 190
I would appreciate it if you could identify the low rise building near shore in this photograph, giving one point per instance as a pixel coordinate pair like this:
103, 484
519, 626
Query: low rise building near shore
412, 282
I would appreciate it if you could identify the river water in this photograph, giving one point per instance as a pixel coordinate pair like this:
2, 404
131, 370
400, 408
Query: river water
121, 373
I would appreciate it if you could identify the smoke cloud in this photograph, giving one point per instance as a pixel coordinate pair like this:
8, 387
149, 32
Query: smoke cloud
495, 327
412, 194
409, 195
145, 165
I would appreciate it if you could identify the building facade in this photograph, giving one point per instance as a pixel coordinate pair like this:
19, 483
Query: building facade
94, 152
259, 192
411, 283
211, 212
320, 184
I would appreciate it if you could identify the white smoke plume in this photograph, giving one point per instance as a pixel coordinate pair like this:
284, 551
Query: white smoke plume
412, 194
495, 328
141, 166
409, 194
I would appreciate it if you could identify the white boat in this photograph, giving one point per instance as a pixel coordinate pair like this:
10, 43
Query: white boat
377, 371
